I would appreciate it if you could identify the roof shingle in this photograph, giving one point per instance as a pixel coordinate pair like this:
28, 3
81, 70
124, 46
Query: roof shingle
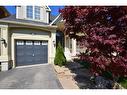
13, 18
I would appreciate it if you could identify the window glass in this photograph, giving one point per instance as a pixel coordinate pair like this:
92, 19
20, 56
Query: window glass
30, 12
37, 12
20, 43
37, 42
29, 43
44, 43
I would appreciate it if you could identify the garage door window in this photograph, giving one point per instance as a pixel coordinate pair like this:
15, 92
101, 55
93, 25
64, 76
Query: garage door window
37, 43
44, 43
20, 43
29, 43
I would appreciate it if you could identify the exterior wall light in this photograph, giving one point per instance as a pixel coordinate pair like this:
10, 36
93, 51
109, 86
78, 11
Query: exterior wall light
3, 40
54, 43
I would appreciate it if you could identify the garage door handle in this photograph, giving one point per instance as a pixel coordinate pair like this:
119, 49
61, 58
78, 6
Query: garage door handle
33, 54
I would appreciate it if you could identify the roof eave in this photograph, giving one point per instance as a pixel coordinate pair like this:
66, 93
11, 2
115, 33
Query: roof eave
55, 19
28, 24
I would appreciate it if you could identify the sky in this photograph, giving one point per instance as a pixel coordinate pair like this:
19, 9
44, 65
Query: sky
54, 9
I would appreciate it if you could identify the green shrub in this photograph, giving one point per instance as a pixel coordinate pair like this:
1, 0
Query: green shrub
123, 81
59, 57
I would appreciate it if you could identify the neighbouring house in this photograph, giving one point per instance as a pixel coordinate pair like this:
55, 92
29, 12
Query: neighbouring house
70, 45
30, 37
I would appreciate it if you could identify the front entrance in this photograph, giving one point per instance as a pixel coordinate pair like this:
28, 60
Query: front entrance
31, 52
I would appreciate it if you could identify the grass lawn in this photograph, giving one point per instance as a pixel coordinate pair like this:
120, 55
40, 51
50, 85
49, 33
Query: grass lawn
123, 82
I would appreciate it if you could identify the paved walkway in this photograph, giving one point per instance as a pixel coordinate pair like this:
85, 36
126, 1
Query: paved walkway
74, 76
34, 77
66, 77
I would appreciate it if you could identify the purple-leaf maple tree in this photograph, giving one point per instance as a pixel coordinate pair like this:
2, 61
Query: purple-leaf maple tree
103, 30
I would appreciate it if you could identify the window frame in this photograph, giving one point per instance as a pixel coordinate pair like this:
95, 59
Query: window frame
36, 13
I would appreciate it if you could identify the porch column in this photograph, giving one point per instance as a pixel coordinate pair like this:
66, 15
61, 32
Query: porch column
67, 52
52, 46
4, 59
73, 47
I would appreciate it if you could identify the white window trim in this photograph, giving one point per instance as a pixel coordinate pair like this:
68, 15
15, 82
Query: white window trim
39, 14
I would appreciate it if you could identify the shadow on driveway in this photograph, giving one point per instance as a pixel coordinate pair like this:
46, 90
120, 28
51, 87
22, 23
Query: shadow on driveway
34, 77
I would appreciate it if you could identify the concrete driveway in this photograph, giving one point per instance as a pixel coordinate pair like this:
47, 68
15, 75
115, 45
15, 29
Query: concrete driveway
33, 77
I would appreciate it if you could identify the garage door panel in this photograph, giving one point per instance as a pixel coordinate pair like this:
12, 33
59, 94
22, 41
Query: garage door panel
29, 60
31, 52
20, 59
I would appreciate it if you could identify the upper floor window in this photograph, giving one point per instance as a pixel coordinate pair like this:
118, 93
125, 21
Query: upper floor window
33, 12
37, 12
30, 12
